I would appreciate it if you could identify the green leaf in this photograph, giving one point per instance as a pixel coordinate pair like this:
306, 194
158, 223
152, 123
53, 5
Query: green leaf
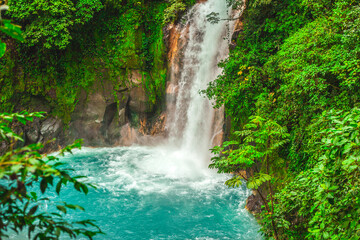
33, 210
57, 232
251, 185
235, 181
11, 30
43, 185
2, 49
58, 187
21, 119
84, 188
72, 206
16, 168
33, 195
61, 208
77, 186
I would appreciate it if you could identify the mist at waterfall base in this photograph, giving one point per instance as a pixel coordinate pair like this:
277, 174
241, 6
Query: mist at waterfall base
167, 191
157, 193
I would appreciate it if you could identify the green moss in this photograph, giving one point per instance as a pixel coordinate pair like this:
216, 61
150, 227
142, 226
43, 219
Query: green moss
116, 41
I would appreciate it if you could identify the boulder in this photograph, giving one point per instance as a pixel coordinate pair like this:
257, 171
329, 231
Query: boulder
254, 203
51, 128
88, 116
135, 77
139, 101
89, 131
32, 132
114, 129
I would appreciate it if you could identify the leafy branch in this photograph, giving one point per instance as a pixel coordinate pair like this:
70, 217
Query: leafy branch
257, 144
23, 169
9, 29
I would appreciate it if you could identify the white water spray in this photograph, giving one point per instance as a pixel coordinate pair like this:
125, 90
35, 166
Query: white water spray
191, 119
167, 192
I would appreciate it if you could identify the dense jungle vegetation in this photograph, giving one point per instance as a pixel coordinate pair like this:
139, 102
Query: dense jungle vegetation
291, 89
70, 43
52, 50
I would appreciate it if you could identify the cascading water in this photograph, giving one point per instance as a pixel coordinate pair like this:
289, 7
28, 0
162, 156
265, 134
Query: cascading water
167, 191
191, 120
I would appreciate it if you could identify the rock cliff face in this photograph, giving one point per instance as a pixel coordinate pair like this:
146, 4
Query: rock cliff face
106, 116
103, 116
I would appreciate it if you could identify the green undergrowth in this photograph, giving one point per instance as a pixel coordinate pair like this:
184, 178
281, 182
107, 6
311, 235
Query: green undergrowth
296, 65
66, 52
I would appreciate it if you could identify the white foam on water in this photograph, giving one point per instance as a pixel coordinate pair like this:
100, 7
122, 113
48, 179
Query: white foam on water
184, 159
148, 170
177, 170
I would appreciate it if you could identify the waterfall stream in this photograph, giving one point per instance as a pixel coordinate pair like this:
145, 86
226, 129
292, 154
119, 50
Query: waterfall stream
191, 119
167, 191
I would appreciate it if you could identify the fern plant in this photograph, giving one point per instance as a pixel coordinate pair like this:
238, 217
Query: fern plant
255, 150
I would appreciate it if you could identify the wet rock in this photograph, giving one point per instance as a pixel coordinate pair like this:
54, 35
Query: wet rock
93, 114
122, 116
139, 101
95, 108
123, 98
172, 35
218, 127
254, 203
114, 129
110, 112
128, 135
135, 77
159, 125
114, 132
48, 131
89, 131
32, 132
96, 118
51, 127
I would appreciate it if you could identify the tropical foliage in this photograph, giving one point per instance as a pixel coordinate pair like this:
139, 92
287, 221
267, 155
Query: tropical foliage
254, 150
51, 24
69, 44
23, 170
65, 45
290, 86
9, 29
324, 201
296, 64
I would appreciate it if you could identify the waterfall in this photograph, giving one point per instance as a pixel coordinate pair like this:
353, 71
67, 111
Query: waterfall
165, 190
191, 118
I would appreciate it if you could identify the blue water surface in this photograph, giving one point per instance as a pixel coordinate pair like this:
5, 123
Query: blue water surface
146, 193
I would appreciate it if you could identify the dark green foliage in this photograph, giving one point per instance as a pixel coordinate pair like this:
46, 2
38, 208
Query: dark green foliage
23, 169
171, 12
293, 61
51, 23
324, 201
255, 150
258, 142
9, 29
70, 44
246, 82
290, 67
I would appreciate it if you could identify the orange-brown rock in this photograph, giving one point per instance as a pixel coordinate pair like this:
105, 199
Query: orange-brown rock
173, 42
